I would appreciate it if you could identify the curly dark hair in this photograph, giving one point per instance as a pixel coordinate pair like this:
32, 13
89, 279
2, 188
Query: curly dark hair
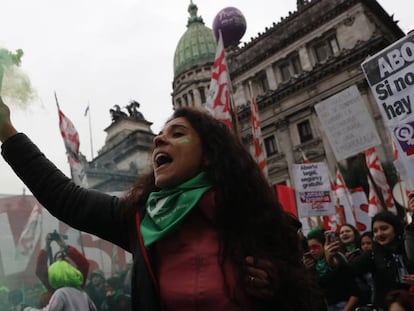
250, 221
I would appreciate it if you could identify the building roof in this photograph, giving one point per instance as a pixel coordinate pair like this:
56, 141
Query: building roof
197, 46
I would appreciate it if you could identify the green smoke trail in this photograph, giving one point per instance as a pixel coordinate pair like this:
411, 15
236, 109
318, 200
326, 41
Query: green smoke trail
14, 84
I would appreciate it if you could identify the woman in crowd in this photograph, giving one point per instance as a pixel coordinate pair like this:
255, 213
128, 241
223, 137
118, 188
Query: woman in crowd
334, 277
350, 241
367, 241
190, 223
387, 262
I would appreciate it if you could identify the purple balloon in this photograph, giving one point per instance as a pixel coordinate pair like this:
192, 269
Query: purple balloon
232, 24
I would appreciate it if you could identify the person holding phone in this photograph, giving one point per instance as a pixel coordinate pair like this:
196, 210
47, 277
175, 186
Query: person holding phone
387, 261
333, 274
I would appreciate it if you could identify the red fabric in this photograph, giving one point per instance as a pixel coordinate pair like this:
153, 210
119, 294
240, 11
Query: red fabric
42, 268
188, 270
286, 197
81, 262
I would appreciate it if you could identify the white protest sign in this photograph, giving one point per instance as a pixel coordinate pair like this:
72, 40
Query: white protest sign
390, 74
313, 189
347, 123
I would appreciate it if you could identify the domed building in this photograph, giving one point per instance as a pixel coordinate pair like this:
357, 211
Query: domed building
193, 59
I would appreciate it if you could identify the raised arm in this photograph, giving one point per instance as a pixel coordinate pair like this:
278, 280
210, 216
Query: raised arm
6, 127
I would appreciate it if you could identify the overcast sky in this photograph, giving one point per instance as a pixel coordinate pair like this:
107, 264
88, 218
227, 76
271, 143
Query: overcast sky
107, 52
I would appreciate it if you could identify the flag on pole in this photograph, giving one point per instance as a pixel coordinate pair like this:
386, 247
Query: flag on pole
86, 111
378, 176
259, 154
218, 100
344, 196
71, 140
29, 238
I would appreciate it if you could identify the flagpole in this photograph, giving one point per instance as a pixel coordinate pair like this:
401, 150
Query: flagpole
71, 175
90, 129
233, 109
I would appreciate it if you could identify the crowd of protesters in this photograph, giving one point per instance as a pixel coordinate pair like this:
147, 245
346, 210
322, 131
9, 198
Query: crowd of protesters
67, 284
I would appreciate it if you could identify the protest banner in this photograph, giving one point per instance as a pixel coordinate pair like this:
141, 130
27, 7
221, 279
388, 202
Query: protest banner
347, 123
313, 189
390, 75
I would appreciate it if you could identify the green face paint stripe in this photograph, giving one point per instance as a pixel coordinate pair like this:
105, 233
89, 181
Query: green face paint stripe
185, 140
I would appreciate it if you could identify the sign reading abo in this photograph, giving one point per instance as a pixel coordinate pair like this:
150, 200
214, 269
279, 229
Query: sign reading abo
347, 123
390, 74
313, 189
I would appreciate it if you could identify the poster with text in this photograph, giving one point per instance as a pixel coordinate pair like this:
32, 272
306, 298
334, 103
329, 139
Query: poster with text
390, 75
347, 123
313, 190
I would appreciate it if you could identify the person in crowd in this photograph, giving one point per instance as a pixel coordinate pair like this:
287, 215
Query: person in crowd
190, 223
367, 241
116, 299
399, 300
66, 281
334, 277
96, 288
350, 241
387, 261
67, 252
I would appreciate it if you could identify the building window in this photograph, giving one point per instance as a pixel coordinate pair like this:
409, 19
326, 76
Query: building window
305, 131
290, 67
270, 145
326, 48
202, 94
263, 83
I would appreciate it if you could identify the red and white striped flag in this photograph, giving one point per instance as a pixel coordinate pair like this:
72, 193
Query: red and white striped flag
344, 196
218, 100
71, 140
259, 154
378, 176
29, 238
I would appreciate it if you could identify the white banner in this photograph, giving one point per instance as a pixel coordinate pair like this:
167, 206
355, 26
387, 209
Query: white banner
390, 74
347, 123
313, 189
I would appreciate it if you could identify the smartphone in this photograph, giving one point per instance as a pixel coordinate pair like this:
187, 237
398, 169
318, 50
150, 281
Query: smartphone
330, 236
307, 255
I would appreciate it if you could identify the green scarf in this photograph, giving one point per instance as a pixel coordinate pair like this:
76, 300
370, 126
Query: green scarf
322, 266
350, 247
166, 208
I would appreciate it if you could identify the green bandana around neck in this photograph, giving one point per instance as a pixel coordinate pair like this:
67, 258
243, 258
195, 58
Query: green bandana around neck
167, 207
321, 266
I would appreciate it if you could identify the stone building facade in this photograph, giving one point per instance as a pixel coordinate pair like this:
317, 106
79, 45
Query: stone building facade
306, 57
126, 153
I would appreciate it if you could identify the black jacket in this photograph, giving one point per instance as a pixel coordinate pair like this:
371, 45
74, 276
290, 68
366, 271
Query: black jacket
86, 210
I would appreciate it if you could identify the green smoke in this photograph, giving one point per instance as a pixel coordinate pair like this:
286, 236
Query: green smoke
14, 84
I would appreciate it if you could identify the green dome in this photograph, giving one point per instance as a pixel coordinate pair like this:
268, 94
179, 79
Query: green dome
197, 45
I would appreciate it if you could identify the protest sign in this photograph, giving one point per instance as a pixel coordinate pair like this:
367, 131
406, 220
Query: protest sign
347, 123
313, 189
390, 75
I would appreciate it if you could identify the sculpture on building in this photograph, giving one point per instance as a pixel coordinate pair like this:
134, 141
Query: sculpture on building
133, 110
117, 113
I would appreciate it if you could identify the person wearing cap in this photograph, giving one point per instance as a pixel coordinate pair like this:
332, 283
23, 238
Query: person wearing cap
66, 252
68, 295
